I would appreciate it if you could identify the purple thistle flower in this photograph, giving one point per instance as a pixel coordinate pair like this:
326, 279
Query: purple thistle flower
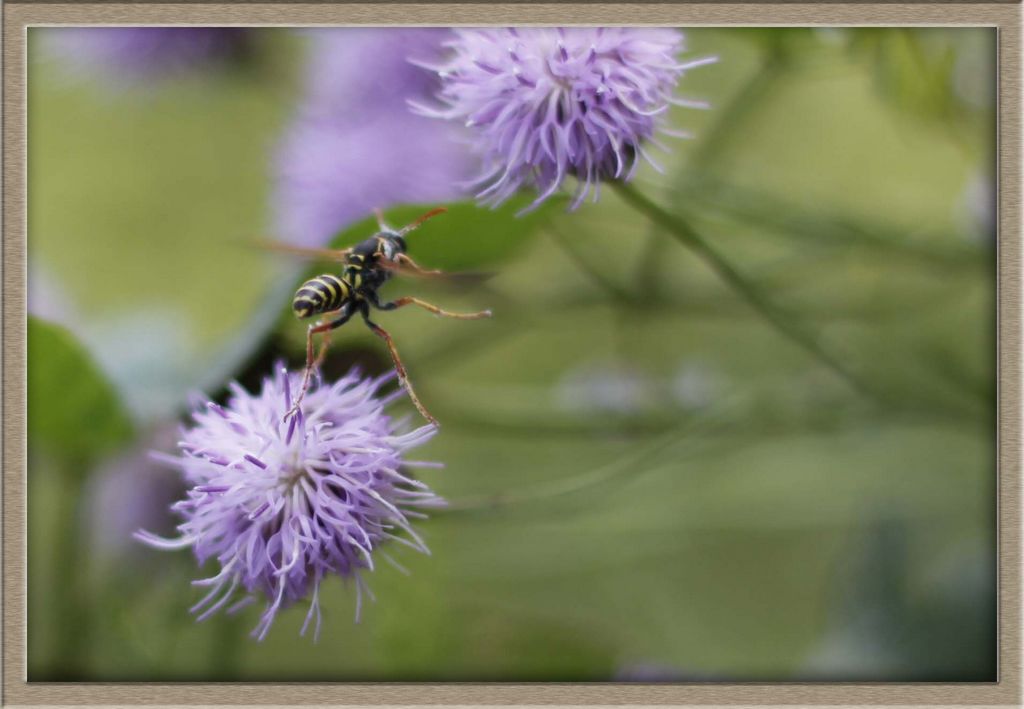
355, 143
139, 54
548, 103
282, 505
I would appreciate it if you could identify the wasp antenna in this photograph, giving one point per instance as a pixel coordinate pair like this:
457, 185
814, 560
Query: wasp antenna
413, 225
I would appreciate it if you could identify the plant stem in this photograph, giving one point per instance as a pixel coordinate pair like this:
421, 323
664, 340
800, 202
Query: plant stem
226, 648
623, 466
781, 321
617, 292
772, 67
706, 434
71, 626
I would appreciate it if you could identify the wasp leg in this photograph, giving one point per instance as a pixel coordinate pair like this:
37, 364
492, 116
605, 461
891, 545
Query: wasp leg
325, 342
415, 267
403, 377
409, 300
380, 219
346, 314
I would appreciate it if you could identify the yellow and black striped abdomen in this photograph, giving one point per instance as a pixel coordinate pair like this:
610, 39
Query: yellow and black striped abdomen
320, 295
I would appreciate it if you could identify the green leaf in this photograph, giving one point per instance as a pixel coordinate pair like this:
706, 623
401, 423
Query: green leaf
466, 237
74, 413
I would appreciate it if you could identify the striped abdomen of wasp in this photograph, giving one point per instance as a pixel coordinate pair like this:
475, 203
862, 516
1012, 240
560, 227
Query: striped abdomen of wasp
365, 268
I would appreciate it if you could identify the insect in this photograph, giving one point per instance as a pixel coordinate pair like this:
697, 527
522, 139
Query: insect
366, 267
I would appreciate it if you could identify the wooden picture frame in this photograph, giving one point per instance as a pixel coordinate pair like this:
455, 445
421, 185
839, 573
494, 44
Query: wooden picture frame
17, 16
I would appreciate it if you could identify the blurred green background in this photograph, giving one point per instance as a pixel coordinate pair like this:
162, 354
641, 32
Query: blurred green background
647, 480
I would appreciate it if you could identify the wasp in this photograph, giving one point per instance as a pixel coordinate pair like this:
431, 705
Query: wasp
366, 267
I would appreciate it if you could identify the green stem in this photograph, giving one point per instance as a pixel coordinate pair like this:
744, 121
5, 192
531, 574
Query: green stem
615, 290
620, 295
648, 276
226, 648
621, 467
781, 321
706, 434
761, 84
650, 267
71, 615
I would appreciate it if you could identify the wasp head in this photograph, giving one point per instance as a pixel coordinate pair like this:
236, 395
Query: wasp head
393, 245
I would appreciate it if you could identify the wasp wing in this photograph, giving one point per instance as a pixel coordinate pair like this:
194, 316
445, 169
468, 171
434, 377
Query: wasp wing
454, 277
